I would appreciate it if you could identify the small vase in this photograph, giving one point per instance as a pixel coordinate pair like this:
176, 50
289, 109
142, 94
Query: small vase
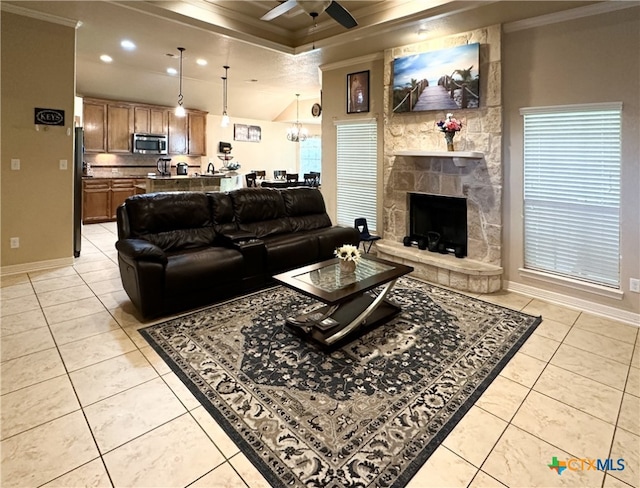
448, 136
347, 266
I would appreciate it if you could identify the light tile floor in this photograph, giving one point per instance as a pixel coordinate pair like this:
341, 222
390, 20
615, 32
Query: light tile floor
86, 402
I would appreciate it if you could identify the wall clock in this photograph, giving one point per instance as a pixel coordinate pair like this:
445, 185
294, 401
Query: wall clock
316, 110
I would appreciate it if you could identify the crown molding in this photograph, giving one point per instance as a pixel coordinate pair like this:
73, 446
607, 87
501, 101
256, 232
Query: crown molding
369, 58
576, 13
25, 12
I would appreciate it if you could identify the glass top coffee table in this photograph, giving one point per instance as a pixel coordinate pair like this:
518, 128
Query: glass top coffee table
353, 303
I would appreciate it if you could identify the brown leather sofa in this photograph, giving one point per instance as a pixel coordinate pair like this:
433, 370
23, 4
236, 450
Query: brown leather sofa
181, 250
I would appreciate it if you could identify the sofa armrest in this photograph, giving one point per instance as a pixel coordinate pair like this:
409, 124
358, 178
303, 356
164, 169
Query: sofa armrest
141, 250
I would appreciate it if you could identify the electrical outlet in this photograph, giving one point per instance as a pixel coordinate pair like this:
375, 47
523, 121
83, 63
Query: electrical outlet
15, 164
63, 164
15, 242
115, 170
634, 285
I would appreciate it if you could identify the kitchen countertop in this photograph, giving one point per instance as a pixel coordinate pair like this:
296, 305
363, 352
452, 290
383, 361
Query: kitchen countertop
158, 177
185, 177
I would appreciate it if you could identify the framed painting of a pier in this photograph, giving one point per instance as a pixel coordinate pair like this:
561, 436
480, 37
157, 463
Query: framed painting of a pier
446, 79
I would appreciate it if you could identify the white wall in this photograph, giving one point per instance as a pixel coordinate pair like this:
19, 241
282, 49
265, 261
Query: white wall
588, 60
273, 152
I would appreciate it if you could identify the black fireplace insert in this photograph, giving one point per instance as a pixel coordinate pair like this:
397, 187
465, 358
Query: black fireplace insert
438, 223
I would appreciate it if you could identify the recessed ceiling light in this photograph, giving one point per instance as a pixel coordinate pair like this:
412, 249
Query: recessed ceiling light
128, 45
172, 71
105, 58
201, 62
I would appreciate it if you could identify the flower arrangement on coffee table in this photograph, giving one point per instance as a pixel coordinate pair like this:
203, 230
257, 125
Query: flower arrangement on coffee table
450, 125
349, 256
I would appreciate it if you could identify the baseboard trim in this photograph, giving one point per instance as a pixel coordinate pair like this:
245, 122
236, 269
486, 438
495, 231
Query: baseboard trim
575, 303
37, 266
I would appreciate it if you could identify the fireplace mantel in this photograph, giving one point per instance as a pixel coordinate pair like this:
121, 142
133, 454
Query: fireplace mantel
459, 158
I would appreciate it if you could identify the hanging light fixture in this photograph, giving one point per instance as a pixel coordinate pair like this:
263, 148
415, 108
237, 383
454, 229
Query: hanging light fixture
180, 109
296, 133
225, 117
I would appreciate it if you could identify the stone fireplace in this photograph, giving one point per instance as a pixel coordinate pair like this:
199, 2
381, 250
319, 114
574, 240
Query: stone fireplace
416, 160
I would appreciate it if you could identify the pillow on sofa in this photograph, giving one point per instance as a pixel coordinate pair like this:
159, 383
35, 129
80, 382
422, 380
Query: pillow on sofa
171, 220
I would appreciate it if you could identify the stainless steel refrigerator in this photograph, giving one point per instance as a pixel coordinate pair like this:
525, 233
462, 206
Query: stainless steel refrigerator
78, 171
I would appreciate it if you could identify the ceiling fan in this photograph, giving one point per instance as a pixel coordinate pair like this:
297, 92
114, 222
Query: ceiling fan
314, 8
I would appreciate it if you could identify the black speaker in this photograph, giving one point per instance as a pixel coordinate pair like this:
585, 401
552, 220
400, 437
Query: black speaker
406, 241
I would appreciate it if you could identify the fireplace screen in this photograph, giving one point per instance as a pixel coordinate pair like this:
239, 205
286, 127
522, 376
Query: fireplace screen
438, 223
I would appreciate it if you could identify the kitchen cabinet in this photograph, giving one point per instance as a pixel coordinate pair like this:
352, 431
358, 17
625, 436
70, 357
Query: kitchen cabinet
197, 134
109, 126
121, 189
96, 200
149, 120
101, 197
119, 128
95, 126
177, 134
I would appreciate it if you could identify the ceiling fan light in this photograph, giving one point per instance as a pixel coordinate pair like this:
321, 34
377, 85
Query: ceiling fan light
314, 6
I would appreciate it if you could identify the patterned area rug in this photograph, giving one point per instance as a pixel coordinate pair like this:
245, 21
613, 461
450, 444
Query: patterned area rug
367, 414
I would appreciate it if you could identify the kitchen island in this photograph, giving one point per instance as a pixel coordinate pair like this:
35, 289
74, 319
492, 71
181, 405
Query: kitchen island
101, 196
213, 182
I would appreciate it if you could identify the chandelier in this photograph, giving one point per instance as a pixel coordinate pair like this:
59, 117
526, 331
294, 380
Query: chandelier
225, 117
180, 112
296, 133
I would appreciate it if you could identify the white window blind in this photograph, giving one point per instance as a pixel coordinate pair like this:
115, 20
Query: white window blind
572, 191
357, 151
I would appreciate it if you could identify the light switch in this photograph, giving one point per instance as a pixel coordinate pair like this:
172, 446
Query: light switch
15, 164
63, 164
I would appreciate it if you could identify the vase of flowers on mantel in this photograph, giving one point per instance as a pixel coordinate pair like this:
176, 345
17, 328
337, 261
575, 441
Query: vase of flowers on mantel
450, 125
349, 256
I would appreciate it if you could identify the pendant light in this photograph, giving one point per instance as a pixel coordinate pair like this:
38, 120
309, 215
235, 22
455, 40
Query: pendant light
296, 133
225, 117
180, 112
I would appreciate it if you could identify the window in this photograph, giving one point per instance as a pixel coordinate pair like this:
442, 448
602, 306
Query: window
357, 150
572, 191
311, 155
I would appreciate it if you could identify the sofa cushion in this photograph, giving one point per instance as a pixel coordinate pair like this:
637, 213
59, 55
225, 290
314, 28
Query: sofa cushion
305, 208
260, 211
172, 220
289, 251
303, 201
222, 212
191, 270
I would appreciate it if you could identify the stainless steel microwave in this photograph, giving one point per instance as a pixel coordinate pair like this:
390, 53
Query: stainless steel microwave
150, 144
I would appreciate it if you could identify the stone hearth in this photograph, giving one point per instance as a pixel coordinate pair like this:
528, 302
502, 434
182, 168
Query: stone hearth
444, 269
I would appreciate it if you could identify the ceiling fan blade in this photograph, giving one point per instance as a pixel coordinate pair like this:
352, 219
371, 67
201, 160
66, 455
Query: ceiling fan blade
283, 8
341, 15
